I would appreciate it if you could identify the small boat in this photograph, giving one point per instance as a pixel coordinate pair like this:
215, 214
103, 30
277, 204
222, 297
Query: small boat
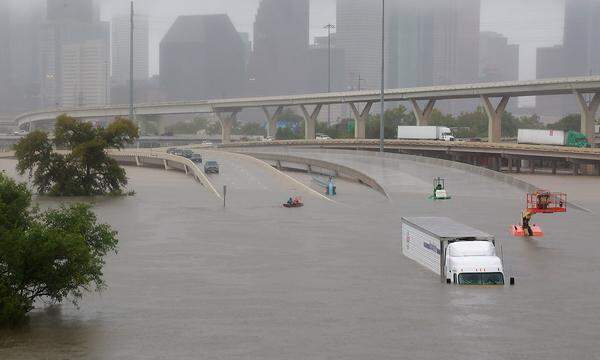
294, 205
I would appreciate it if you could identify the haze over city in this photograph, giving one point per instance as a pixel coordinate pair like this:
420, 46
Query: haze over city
299, 179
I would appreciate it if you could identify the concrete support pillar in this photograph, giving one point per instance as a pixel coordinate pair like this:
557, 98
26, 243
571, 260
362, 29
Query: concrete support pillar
227, 120
554, 167
165, 164
532, 166
310, 121
494, 114
597, 169
575, 169
518, 165
360, 117
137, 161
161, 126
423, 115
272, 120
186, 169
588, 114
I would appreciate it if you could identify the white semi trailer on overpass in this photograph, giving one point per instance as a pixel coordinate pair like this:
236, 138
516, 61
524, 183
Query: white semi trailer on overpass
425, 133
458, 253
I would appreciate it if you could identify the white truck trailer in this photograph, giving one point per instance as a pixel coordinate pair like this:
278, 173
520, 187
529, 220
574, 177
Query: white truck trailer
425, 133
552, 137
458, 253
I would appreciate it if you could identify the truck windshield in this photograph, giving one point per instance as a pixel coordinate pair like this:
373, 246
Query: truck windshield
481, 279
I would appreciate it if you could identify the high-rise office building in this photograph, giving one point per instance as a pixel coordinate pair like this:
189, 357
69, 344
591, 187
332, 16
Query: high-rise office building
202, 57
73, 24
579, 55
85, 72
358, 33
456, 26
4, 56
71, 11
498, 60
120, 31
281, 37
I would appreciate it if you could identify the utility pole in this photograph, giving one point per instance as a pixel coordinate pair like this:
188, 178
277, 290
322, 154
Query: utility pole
131, 108
329, 27
381, 125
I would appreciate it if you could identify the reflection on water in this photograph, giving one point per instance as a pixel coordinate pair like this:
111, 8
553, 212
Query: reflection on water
193, 280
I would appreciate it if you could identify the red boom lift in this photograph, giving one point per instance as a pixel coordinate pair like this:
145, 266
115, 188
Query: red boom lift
539, 202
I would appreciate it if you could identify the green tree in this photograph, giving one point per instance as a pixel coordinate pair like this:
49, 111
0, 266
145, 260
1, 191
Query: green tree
571, 122
250, 128
86, 169
48, 256
187, 128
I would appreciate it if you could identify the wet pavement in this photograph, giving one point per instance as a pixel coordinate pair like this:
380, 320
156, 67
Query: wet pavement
255, 281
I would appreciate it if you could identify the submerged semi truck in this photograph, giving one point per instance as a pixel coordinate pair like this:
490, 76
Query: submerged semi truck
425, 133
552, 137
458, 253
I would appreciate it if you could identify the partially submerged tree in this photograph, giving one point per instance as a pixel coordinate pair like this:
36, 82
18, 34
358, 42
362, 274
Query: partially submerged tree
47, 256
86, 169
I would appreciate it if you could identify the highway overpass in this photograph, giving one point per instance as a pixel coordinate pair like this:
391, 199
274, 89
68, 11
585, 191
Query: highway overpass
508, 157
422, 100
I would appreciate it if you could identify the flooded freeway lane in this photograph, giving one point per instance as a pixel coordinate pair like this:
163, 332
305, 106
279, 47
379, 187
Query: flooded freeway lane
254, 281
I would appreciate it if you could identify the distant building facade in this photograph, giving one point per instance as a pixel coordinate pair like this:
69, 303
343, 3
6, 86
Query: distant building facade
4, 56
579, 55
498, 60
74, 55
281, 39
432, 42
120, 38
202, 57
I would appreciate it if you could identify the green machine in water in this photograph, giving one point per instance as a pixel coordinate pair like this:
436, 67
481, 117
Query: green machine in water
439, 190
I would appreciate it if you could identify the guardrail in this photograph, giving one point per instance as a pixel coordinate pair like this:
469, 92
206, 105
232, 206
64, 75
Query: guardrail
340, 170
163, 160
591, 154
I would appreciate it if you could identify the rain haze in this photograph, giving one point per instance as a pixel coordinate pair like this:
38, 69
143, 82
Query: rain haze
299, 179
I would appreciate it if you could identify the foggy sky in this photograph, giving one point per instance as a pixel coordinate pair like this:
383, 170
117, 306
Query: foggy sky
531, 23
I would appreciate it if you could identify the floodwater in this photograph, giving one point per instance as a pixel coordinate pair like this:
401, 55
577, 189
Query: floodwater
193, 280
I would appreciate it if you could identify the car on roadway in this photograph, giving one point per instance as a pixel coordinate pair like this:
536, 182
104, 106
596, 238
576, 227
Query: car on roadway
187, 153
323, 137
173, 151
268, 139
196, 158
211, 167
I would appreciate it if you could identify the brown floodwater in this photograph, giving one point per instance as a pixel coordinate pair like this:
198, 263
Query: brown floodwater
194, 280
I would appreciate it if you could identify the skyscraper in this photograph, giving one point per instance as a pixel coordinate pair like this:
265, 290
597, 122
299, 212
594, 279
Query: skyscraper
456, 41
498, 60
281, 37
70, 25
427, 41
120, 30
4, 56
202, 57
579, 55
358, 33
85, 71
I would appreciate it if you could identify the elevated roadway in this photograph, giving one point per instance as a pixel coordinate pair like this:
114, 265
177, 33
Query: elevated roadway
495, 155
422, 100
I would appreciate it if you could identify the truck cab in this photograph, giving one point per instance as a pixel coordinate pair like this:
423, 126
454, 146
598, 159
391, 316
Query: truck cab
473, 263
446, 134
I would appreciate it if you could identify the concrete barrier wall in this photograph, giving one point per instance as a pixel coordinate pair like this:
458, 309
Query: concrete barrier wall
339, 170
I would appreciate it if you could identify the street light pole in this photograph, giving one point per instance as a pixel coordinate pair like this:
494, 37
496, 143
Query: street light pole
381, 118
131, 109
329, 27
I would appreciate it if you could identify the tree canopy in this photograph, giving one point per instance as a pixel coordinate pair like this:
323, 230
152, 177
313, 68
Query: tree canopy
48, 256
85, 169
